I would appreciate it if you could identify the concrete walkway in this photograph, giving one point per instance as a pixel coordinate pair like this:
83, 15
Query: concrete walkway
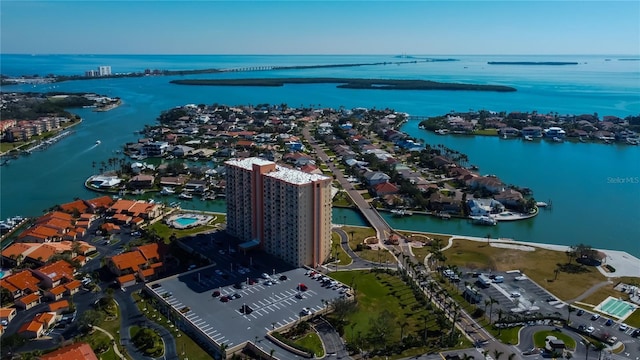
590, 291
115, 344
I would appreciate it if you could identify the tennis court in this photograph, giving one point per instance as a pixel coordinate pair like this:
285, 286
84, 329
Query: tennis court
616, 308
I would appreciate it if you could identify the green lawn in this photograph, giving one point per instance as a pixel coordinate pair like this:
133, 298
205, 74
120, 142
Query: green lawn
184, 343
358, 234
343, 258
312, 341
165, 232
486, 132
540, 336
633, 319
376, 292
342, 200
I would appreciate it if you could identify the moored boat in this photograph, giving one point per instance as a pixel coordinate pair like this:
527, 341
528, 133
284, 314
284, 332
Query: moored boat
484, 220
185, 195
167, 191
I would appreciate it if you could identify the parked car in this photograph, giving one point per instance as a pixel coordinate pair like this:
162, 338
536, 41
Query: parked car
283, 278
623, 327
265, 276
215, 293
580, 312
595, 316
609, 322
224, 298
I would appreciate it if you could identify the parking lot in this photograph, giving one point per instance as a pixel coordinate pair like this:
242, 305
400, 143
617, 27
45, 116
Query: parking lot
241, 296
515, 293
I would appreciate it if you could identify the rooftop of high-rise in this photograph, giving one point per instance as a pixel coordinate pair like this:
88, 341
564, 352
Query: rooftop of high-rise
292, 176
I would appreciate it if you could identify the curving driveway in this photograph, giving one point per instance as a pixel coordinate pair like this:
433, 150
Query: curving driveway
130, 315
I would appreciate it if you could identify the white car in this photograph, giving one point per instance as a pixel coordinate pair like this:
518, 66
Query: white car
265, 276
590, 330
623, 327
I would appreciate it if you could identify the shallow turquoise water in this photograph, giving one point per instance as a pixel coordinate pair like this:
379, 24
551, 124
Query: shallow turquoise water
590, 204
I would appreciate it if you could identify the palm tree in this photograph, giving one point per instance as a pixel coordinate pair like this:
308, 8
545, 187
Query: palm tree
570, 309
223, 350
402, 327
599, 347
491, 302
271, 352
425, 318
497, 354
511, 356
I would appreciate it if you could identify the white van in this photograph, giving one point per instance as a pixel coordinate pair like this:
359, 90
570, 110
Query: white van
498, 279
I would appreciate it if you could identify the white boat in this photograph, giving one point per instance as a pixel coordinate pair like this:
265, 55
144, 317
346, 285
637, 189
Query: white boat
541, 204
185, 195
98, 142
557, 139
528, 137
167, 191
631, 141
401, 212
137, 192
442, 131
484, 220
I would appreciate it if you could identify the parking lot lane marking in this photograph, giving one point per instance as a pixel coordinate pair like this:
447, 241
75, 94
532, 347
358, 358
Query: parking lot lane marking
255, 317
266, 328
278, 323
292, 319
217, 339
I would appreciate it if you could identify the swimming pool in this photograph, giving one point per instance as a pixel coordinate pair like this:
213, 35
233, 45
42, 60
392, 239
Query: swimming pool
185, 221
616, 307
188, 220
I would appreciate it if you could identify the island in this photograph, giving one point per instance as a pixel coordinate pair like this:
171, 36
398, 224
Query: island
349, 83
532, 63
532, 126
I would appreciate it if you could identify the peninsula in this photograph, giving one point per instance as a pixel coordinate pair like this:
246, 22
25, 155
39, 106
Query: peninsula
349, 83
532, 63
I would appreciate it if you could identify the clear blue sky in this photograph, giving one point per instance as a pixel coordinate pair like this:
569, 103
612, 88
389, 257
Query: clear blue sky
320, 27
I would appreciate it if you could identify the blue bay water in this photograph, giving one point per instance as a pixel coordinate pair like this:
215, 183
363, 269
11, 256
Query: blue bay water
590, 203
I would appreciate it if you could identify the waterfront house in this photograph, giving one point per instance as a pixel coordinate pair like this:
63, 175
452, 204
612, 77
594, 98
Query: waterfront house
141, 181
39, 234
533, 131
182, 150
77, 351
78, 206
104, 182
508, 132
554, 132
173, 180
385, 188
491, 184
510, 198
155, 149
14, 254
484, 207
438, 201
604, 135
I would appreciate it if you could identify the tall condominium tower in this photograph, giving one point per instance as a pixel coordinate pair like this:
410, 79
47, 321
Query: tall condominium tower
287, 212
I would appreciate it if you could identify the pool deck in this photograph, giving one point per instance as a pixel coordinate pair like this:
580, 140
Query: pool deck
628, 308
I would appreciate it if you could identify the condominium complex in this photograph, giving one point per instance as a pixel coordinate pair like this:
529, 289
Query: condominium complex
287, 212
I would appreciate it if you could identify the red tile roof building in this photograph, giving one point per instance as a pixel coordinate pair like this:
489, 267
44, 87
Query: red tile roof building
77, 351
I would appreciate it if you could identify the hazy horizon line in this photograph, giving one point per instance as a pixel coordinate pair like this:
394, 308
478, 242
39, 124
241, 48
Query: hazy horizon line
346, 54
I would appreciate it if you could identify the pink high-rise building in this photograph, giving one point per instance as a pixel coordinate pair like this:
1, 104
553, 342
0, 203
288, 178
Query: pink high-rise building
287, 212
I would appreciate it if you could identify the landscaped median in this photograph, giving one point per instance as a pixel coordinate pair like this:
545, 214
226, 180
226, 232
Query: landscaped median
184, 344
